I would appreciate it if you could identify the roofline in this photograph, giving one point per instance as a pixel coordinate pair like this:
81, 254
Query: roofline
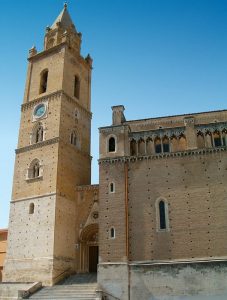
3, 230
181, 115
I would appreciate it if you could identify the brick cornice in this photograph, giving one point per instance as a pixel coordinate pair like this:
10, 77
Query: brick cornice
203, 151
87, 187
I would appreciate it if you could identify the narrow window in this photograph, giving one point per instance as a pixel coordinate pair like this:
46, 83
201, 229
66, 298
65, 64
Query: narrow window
162, 215
217, 139
112, 187
112, 233
73, 138
165, 144
31, 208
36, 170
76, 87
43, 81
111, 145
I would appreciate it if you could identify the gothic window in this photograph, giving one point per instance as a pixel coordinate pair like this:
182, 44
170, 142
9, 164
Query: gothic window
112, 233
217, 139
141, 147
34, 170
112, 187
73, 138
162, 215
76, 87
133, 147
31, 208
165, 144
43, 81
111, 144
157, 145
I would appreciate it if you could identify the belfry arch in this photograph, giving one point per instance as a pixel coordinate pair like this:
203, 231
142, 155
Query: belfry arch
89, 248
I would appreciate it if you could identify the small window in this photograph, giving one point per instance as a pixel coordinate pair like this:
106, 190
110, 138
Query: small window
112, 233
112, 187
34, 170
43, 82
111, 146
76, 87
73, 138
162, 215
31, 208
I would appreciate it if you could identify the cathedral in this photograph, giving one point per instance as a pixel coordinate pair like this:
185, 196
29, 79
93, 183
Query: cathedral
156, 224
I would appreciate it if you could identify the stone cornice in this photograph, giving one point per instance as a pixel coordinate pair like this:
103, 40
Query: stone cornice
53, 96
93, 187
37, 145
123, 159
45, 52
44, 98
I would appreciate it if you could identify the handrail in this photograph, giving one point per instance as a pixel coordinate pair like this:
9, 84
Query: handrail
107, 294
61, 273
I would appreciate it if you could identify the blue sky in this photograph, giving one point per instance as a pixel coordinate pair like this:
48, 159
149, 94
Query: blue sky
156, 57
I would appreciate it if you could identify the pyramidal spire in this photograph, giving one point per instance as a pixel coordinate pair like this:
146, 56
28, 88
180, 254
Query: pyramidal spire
64, 18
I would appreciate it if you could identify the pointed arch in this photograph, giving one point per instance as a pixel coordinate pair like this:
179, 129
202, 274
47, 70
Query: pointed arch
34, 170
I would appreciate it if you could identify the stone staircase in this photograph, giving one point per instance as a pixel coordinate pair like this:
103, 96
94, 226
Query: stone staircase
79, 286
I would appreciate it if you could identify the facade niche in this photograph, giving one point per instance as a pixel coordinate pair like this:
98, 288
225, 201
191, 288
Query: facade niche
43, 81
200, 140
165, 145
112, 144
76, 87
38, 134
217, 139
73, 138
133, 151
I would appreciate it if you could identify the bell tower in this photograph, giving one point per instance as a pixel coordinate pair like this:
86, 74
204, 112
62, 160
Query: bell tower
52, 158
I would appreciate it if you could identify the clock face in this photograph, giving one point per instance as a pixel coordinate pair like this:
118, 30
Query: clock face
39, 110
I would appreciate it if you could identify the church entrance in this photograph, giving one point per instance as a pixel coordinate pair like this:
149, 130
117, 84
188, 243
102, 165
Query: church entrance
93, 258
89, 250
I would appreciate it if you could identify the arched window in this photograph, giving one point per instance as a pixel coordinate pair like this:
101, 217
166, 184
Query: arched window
217, 139
112, 233
111, 144
76, 87
133, 147
200, 140
43, 81
34, 170
157, 144
31, 208
165, 144
73, 138
112, 187
162, 215
141, 147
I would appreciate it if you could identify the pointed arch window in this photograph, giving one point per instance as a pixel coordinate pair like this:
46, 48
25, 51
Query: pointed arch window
111, 144
73, 138
43, 81
112, 233
34, 171
112, 187
162, 218
76, 87
217, 139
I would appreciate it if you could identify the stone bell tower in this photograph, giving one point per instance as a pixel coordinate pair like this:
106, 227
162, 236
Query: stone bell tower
52, 158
